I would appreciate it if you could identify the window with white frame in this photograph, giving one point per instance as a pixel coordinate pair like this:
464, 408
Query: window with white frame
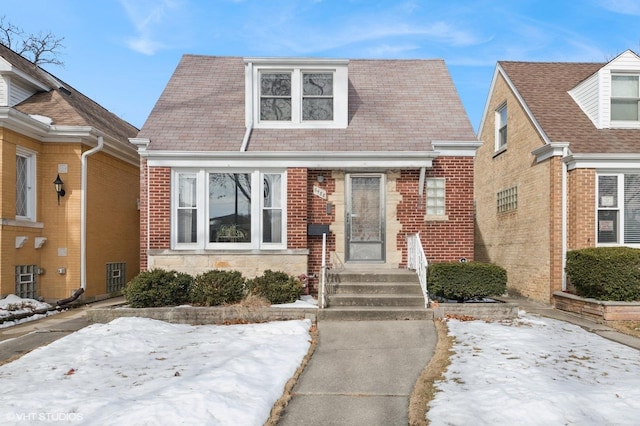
297, 93
281, 98
25, 184
501, 127
275, 96
436, 197
618, 206
625, 97
229, 209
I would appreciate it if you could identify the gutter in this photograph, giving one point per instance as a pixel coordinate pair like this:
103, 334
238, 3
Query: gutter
83, 212
565, 153
249, 85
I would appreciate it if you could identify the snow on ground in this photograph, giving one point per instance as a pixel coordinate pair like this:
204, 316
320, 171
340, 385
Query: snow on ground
536, 371
13, 305
137, 371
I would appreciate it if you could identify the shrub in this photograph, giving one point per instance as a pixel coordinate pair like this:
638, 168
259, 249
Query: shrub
158, 288
605, 273
217, 287
464, 281
276, 287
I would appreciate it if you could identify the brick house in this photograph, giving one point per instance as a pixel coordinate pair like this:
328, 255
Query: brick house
559, 168
245, 162
53, 244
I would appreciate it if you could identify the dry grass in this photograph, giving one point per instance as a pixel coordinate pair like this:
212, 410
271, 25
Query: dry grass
424, 390
631, 328
281, 404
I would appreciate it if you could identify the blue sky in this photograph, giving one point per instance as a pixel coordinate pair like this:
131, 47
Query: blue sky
121, 53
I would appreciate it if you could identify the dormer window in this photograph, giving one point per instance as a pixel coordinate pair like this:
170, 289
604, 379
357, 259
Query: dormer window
317, 96
275, 96
296, 93
277, 101
625, 97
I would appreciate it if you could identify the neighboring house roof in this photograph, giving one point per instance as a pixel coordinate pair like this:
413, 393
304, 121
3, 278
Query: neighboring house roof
65, 105
394, 105
544, 87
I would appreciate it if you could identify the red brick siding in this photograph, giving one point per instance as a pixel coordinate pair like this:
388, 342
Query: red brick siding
317, 214
143, 215
296, 208
443, 241
159, 207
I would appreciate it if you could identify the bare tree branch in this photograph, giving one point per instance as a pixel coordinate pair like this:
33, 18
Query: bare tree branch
41, 48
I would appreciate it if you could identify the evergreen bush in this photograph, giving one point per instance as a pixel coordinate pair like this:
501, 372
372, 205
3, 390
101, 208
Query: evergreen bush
158, 287
464, 281
605, 273
276, 287
217, 287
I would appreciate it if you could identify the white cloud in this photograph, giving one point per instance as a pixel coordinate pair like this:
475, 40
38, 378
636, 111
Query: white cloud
625, 7
151, 20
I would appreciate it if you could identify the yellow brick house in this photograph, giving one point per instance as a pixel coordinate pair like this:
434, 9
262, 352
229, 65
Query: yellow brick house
559, 168
69, 192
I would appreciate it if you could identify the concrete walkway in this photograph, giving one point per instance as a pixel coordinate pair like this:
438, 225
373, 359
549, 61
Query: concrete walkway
362, 373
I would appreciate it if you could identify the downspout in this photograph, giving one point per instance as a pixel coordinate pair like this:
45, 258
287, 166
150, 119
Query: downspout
247, 133
83, 212
565, 152
423, 172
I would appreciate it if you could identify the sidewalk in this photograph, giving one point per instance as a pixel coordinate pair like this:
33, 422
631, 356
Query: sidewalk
20, 339
549, 311
362, 373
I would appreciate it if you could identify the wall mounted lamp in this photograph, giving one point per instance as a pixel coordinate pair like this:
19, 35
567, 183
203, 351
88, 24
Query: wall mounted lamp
59, 190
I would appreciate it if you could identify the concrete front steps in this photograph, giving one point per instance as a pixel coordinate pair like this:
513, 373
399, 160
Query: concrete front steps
375, 294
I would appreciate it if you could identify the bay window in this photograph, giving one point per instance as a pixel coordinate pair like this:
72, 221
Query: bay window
618, 205
241, 209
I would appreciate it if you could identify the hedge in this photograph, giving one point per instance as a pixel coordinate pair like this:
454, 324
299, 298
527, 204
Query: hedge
157, 287
605, 273
464, 281
218, 287
276, 287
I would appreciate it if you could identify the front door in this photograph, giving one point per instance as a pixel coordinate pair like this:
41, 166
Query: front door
365, 217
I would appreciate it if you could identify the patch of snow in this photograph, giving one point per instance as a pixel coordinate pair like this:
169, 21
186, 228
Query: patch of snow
135, 371
14, 305
536, 371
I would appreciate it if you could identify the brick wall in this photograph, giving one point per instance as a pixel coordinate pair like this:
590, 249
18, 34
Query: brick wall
443, 240
581, 209
159, 208
144, 257
525, 240
297, 208
317, 214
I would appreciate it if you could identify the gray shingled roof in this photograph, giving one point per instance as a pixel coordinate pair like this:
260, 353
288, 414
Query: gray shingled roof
65, 105
394, 105
544, 87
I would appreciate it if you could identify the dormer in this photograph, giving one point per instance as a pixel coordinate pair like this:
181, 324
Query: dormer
611, 97
16, 85
296, 93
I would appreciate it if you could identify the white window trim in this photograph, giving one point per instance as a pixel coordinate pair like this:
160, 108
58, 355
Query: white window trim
202, 212
340, 95
620, 208
32, 184
498, 146
622, 124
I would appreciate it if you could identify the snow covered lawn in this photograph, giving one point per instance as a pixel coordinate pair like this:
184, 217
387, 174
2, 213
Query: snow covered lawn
136, 371
536, 371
